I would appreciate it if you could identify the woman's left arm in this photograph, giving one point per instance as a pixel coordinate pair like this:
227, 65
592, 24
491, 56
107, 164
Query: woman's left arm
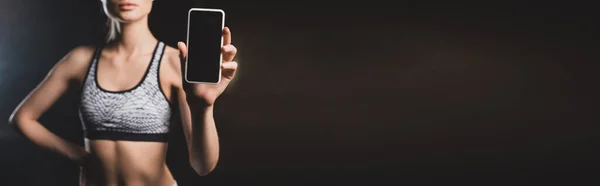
196, 106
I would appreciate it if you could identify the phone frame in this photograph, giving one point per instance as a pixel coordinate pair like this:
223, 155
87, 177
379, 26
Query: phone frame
188, 42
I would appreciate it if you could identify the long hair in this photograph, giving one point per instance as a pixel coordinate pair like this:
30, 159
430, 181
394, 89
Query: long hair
112, 23
113, 29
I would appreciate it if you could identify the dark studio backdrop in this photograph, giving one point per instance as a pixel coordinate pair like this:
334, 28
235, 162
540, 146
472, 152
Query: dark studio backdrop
349, 93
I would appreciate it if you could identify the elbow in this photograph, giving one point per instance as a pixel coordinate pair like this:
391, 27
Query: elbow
16, 121
204, 168
13, 121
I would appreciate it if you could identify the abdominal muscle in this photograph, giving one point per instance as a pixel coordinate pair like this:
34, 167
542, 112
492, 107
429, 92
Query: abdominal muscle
128, 163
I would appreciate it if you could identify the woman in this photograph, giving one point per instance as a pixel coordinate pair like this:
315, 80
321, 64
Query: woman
129, 87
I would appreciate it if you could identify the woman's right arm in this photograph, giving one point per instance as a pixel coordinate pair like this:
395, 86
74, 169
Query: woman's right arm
69, 70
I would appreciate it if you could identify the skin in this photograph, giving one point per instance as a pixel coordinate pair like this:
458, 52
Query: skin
122, 65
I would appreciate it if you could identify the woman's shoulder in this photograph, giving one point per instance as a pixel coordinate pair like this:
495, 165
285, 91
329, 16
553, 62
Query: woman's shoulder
171, 54
172, 59
76, 61
80, 55
171, 66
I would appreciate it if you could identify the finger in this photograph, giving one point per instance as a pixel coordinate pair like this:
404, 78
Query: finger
182, 50
229, 52
183, 57
226, 36
229, 65
229, 70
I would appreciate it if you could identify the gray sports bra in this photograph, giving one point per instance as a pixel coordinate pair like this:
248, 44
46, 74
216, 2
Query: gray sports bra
141, 113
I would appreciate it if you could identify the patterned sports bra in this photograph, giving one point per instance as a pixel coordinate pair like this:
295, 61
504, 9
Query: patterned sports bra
141, 113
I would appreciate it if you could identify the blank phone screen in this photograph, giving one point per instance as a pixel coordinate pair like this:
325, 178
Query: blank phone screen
205, 30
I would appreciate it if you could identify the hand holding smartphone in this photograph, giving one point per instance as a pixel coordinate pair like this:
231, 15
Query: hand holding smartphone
204, 42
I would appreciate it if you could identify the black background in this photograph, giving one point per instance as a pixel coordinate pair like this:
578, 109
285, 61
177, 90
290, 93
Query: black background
351, 93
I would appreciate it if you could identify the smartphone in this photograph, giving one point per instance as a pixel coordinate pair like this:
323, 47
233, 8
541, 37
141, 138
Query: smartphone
204, 42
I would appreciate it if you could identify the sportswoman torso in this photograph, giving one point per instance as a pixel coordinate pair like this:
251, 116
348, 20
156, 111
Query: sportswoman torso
125, 109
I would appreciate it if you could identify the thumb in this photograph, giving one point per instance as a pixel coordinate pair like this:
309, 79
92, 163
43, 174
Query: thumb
182, 50
183, 57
